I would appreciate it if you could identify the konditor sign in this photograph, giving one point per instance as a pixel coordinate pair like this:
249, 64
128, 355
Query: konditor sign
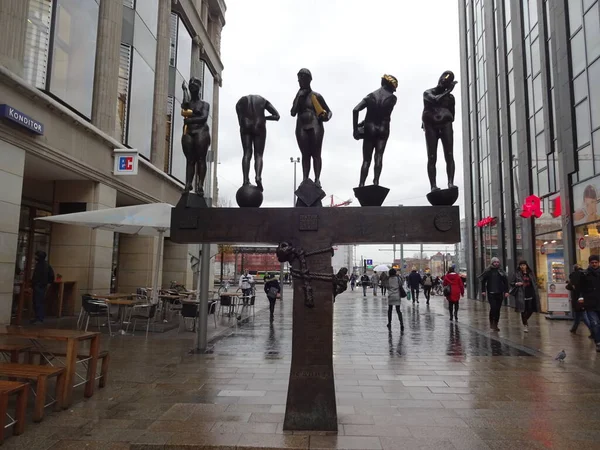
23, 120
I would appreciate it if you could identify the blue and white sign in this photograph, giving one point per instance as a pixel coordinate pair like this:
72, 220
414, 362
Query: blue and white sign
369, 262
126, 161
23, 120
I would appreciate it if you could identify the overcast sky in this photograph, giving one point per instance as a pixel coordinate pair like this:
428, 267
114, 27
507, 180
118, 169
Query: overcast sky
348, 45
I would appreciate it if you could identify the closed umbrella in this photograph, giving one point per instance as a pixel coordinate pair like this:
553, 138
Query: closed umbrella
153, 219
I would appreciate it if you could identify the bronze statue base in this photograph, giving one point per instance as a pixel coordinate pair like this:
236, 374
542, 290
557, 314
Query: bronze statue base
309, 194
191, 200
443, 197
249, 196
372, 195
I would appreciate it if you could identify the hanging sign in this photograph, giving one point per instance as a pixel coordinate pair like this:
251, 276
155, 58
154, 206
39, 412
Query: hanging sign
532, 207
126, 161
486, 221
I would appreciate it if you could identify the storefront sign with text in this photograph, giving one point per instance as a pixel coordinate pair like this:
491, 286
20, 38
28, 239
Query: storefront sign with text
487, 221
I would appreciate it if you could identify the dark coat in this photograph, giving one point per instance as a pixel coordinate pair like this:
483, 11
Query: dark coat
589, 287
494, 280
43, 274
272, 283
414, 280
573, 286
519, 292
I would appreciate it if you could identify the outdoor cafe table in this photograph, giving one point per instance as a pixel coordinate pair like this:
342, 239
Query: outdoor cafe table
72, 338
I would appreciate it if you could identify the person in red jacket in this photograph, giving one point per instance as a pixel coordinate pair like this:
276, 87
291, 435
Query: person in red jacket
457, 290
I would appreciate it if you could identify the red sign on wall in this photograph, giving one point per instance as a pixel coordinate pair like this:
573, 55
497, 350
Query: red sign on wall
532, 207
486, 221
557, 210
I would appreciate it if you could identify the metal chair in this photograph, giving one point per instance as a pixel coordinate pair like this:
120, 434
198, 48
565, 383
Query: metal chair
151, 314
95, 308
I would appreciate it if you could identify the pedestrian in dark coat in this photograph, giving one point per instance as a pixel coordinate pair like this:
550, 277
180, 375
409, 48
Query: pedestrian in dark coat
272, 289
525, 291
579, 311
43, 275
494, 286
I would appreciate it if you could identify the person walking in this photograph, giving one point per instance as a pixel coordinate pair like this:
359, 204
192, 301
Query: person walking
365, 281
246, 282
272, 289
427, 282
383, 280
414, 283
577, 306
352, 281
524, 288
43, 275
589, 290
395, 294
457, 290
494, 286
375, 283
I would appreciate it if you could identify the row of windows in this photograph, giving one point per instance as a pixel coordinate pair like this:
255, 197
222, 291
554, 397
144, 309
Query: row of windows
60, 51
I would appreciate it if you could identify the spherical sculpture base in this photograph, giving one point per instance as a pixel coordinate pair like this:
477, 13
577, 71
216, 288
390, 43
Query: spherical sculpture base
249, 196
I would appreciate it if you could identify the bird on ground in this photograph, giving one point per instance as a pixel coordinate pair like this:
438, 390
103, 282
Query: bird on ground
561, 356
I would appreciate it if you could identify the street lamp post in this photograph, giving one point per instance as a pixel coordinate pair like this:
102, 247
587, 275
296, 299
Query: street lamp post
295, 161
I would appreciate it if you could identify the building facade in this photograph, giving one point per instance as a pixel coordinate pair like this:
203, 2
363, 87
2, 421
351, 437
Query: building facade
531, 139
80, 79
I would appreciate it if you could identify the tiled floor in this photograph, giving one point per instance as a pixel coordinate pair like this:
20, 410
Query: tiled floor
442, 385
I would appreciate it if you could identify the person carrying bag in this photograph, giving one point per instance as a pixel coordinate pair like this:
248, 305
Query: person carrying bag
272, 289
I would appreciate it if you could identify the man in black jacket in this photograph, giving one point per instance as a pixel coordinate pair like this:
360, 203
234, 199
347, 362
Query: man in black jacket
579, 311
494, 285
414, 283
43, 275
589, 288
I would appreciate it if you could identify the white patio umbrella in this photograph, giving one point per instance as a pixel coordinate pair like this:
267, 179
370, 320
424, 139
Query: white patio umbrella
381, 268
153, 219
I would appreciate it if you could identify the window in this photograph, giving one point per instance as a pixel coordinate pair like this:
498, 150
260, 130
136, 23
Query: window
173, 39
148, 12
592, 33
37, 42
580, 88
577, 53
586, 162
141, 105
582, 121
535, 57
537, 93
168, 143
575, 14
74, 53
184, 51
123, 91
594, 74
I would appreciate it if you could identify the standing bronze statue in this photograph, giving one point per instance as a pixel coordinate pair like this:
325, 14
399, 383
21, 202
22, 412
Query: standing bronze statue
196, 135
253, 131
376, 126
312, 111
438, 115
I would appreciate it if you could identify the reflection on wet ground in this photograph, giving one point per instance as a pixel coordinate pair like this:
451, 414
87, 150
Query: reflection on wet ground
360, 327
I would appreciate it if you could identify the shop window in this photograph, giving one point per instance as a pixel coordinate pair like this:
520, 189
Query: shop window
550, 265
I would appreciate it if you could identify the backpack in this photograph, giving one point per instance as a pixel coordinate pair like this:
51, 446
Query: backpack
272, 292
428, 281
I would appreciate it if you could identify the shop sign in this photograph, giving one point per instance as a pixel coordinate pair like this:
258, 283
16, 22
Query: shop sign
126, 161
557, 209
532, 207
486, 221
558, 298
23, 120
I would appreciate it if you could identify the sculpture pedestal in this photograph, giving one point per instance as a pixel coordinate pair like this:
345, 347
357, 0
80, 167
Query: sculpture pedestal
309, 194
443, 197
191, 200
249, 196
372, 195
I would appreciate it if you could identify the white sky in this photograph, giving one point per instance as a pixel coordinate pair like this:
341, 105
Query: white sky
348, 45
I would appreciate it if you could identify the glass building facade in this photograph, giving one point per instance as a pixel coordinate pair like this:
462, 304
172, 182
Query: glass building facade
531, 142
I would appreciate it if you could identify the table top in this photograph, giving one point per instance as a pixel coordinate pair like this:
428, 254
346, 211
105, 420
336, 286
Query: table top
115, 296
122, 302
46, 333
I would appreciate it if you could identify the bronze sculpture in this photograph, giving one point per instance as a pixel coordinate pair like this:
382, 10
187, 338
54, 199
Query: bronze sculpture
312, 111
253, 132
195, 140
375, 129
438, 115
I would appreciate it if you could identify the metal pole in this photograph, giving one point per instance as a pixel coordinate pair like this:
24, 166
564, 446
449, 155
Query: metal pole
401, 258
421, 259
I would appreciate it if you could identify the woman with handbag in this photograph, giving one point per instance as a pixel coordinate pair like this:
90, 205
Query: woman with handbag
395, 293
524, 289
454, 289
272, 289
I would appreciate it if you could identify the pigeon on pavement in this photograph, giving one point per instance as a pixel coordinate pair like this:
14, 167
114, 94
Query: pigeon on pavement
561, 356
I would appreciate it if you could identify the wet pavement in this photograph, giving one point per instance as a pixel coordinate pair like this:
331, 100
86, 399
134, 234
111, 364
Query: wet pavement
442, 385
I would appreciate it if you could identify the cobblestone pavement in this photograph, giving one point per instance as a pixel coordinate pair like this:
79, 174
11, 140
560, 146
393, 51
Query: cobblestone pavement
443, 385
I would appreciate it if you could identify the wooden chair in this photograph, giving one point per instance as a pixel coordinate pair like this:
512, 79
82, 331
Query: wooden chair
40, 375
18, 422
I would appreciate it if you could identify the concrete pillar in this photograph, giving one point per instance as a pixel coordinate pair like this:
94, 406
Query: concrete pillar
12, 164
79, 253
13, 28
161, 85
106, 72
176, 264
137, 262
